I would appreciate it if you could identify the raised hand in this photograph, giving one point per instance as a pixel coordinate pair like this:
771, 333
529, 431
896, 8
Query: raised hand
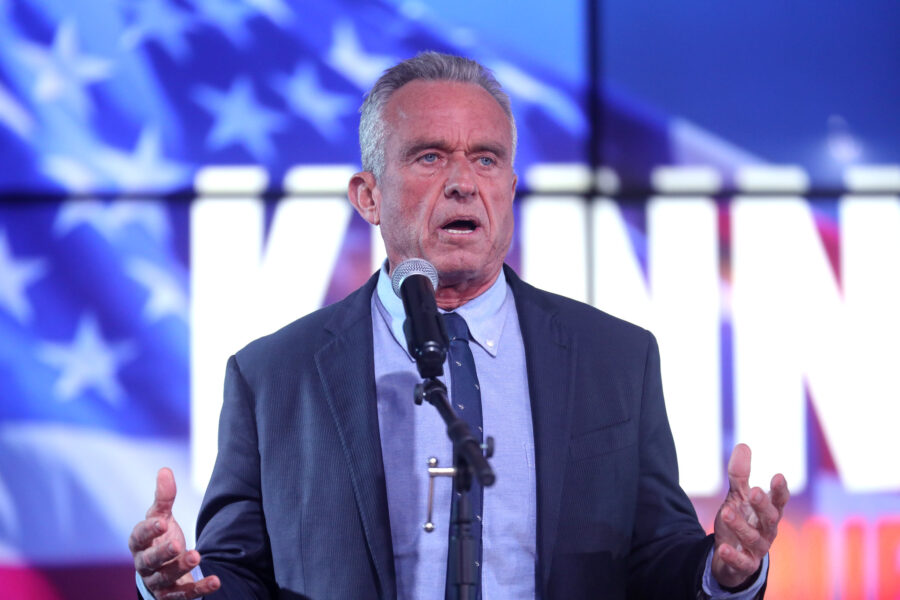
160, 554
747, 522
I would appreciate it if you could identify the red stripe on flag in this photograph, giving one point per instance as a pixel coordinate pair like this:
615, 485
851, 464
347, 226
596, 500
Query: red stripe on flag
70, 582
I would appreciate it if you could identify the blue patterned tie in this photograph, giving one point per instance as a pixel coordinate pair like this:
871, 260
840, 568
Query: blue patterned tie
465, 395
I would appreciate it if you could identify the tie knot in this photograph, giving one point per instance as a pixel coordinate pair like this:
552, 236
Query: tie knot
456, 327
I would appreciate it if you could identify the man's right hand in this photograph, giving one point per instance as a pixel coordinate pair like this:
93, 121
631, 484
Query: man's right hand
160, 554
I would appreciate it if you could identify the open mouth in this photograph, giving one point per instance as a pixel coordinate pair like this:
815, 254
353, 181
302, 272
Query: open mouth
460, 226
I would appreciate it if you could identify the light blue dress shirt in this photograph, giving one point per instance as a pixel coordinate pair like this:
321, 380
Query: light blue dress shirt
411, 434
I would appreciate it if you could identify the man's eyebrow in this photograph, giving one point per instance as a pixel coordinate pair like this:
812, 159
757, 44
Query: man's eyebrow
496, 150
418, 146
421, 145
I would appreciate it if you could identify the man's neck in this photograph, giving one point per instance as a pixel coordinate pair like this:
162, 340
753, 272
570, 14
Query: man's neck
452, 296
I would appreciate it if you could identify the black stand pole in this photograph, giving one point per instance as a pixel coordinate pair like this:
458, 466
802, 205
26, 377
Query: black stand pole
468, 460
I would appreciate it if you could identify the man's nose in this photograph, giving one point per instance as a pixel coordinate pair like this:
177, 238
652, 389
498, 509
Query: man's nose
460, 178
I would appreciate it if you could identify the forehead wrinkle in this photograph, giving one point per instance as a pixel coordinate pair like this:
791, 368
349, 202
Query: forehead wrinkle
417, 145
429, 113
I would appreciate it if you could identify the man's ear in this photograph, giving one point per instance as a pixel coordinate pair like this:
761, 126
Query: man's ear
365, 196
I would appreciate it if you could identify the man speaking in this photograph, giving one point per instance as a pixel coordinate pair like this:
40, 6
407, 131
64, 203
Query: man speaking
321, 479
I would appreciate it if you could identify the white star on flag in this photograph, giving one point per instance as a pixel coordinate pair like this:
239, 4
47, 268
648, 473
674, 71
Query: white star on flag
110, 219
62, 72
88, 362
167, 296
321, 108
15, 276
14, 115
532, 90
162, 21
348, 58
70, 172
228, 17
276, 10
239, 118
145, 169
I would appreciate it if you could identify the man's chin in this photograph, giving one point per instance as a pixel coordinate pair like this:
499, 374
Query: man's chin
453, 272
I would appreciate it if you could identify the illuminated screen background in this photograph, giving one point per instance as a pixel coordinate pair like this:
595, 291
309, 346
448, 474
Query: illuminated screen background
172, 179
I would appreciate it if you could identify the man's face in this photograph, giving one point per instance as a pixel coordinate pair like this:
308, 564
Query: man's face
447, 189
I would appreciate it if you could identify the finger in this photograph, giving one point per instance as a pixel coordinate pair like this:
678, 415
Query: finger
152, 560
779, 493
739, 470
748, 537
766, 511
739, 561
144, 533
169, 574
164, 496
188, 591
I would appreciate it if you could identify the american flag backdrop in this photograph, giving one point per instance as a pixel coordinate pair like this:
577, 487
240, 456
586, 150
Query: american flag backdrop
114, 114
133, 96
107, 113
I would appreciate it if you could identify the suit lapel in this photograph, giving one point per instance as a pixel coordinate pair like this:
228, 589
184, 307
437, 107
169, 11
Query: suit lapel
346, 366
550, 365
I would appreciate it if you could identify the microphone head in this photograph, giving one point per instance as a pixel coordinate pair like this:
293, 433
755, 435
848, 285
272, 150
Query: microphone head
413, 266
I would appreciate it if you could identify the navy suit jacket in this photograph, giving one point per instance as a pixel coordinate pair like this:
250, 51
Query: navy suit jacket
297, 506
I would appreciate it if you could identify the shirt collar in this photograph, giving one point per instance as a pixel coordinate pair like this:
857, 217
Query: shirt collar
485, 315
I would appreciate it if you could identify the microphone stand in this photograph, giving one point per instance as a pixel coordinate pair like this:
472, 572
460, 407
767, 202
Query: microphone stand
415, 280
468, 460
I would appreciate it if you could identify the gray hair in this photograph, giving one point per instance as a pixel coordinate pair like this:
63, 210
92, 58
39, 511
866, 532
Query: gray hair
427, 66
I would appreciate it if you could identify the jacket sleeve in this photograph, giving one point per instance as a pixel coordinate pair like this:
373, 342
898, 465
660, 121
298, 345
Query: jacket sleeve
669, 548
231, 527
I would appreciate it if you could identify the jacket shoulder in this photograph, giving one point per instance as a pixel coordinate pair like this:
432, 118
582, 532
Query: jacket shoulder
302, 338
579, 318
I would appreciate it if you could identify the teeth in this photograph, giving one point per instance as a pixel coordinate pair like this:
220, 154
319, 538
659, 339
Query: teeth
460, 226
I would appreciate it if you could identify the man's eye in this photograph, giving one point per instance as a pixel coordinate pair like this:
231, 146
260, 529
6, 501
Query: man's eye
487, 161
429, 158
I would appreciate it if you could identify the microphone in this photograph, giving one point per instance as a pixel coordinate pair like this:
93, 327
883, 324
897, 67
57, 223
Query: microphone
414, 281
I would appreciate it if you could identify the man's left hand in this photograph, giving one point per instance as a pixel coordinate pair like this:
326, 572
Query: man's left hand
747, 522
